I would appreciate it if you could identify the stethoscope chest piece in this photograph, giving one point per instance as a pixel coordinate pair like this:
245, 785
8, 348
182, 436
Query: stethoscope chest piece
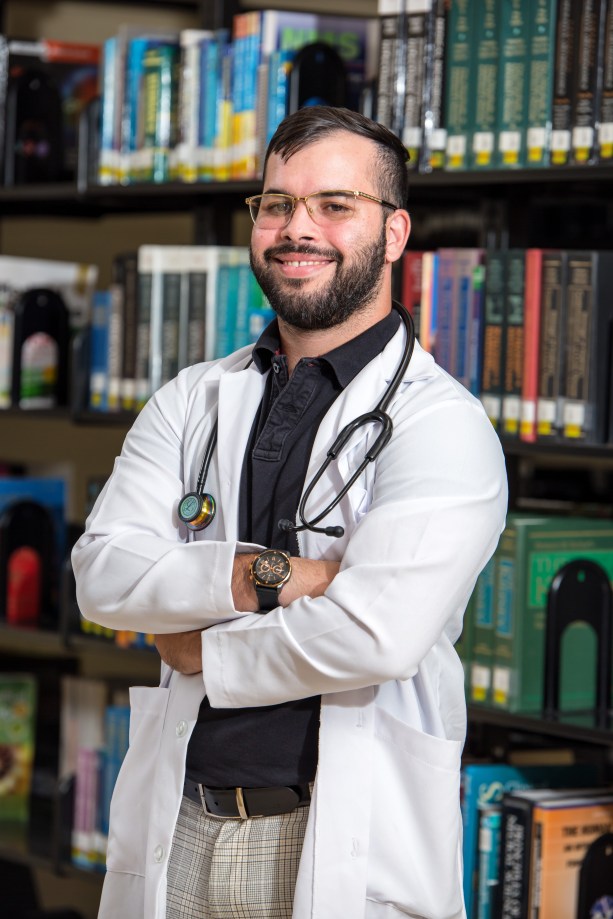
196, 510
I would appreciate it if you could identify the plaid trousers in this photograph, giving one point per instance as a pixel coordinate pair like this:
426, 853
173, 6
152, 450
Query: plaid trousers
234, 869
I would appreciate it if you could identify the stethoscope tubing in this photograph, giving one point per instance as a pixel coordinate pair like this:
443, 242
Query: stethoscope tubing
378, 415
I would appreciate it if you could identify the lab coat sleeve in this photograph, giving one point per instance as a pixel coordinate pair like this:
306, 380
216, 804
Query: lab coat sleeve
133, 567
438, 508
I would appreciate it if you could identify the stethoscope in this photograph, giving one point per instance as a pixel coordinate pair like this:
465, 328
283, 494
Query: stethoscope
197, 508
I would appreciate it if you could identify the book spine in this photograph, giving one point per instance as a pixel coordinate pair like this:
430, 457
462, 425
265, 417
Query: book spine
115, 336
412, 261
128, 333
506, 625
532, 325
434, 129
493, 336
197, 281
589, 317
539, 86
108, 165
587, 81
514, 344
512, 116
171, 310
190, 87
465, 261
143, 327
482, 139
386, 78
577, 413
564, 63
605, 115
515, 858
458, 87
476, 330
98, 370
482, 654
280, 67
427, 322
445, 299
548, 417
412, 121
152, 157
489, 854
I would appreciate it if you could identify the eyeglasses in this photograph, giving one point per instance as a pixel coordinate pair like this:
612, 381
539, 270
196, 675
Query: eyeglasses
274, 211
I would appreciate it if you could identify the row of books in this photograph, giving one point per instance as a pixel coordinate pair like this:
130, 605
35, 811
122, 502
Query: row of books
503, 644
202, 104
482, 84
18, 712
526, 330
169, 307
538, 838
94, 735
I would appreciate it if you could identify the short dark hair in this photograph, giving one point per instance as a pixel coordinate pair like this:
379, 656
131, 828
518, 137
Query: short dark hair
315, 122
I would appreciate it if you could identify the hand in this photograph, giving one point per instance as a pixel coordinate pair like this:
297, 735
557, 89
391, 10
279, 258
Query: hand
181, 650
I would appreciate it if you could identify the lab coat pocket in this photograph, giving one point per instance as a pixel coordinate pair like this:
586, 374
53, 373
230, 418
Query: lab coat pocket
415, 846
130, 804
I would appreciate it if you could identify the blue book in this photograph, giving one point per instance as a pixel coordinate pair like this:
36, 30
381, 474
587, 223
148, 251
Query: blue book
98, 353
108, 161
490, 824
279, 69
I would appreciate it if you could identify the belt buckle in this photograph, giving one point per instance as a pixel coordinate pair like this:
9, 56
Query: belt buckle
240, 806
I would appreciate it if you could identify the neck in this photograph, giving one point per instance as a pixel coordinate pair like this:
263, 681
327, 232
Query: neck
299, 343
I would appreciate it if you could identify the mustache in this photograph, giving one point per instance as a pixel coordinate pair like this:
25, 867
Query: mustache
292, 249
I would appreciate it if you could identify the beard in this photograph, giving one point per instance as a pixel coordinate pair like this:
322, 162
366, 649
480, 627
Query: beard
355, 284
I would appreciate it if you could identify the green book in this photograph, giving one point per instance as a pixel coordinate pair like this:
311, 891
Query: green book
530, 553
17, 738
512, 79
482, 652
483, 127
539, 85
459, 89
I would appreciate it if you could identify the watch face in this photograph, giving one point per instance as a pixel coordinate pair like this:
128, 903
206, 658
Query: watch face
271, 568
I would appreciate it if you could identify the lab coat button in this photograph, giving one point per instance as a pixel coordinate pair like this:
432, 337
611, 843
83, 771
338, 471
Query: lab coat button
158, 853
181, 728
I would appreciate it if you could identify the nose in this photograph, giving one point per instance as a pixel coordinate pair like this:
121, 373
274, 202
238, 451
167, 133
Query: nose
301, 223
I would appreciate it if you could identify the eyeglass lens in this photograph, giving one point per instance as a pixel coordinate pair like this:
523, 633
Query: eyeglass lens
273, 211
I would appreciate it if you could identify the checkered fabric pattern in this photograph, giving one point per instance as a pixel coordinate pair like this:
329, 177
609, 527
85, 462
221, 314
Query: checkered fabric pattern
234, 869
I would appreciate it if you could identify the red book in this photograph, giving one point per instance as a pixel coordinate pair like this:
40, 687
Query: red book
532, 324
411, 284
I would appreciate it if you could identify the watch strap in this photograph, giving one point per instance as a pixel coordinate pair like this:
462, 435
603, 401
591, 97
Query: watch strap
268, 597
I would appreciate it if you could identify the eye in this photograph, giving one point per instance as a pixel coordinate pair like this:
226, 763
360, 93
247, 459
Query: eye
275, 207
335, 207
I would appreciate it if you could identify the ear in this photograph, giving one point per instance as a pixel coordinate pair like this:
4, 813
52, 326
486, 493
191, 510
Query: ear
398, 230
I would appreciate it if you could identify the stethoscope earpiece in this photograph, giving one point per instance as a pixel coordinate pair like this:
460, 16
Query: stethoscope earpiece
196, 510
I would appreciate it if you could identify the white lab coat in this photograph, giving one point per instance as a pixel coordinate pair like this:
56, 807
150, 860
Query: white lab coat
384, 830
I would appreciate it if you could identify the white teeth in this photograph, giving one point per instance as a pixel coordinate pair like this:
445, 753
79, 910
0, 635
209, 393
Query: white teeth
301, 264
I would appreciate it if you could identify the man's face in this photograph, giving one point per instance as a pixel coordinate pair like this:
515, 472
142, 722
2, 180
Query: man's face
316, 277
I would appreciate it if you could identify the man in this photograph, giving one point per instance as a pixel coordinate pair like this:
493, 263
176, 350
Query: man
301, 755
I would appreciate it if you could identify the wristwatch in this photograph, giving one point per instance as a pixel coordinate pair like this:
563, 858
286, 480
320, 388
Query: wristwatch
269, 571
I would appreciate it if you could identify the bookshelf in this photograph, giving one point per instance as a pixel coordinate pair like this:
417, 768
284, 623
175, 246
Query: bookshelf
516, 207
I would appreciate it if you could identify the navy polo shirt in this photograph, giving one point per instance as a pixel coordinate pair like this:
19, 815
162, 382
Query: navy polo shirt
277, 744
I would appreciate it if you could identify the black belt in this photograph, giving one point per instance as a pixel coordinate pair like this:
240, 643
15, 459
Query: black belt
242, 803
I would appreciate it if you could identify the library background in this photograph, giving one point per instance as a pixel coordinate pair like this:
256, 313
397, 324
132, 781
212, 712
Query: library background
130, 136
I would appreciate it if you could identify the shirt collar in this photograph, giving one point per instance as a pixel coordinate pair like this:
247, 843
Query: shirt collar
347, 360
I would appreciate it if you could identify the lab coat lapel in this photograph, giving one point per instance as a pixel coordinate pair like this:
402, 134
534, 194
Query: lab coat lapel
239, 396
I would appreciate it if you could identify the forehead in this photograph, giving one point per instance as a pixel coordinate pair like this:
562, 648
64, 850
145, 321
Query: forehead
342, 160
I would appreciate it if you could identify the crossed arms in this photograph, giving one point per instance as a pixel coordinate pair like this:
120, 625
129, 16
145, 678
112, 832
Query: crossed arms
310, 578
